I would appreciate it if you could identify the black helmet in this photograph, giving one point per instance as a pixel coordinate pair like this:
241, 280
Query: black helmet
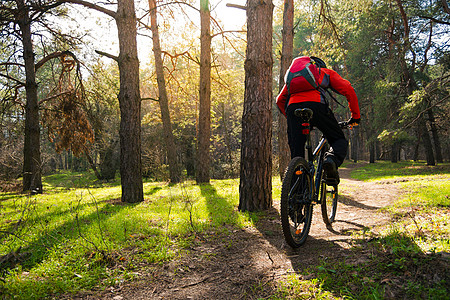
319, 62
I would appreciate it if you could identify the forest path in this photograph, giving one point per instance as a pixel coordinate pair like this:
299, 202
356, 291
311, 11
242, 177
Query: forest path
248, 263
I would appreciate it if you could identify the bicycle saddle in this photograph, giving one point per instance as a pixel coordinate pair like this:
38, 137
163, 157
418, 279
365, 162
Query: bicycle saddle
304, 113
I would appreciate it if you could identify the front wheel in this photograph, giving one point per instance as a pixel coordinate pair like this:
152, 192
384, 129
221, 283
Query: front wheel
296, 206
328, 201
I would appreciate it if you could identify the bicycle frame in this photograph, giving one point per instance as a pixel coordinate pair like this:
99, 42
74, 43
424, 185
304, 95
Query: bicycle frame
302, 184
318, 153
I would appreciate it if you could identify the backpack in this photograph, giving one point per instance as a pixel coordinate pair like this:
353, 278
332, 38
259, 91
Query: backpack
304, 76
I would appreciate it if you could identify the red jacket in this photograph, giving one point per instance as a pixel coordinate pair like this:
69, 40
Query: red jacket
328, 79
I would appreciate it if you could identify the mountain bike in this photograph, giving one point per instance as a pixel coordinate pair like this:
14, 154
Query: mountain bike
305, 184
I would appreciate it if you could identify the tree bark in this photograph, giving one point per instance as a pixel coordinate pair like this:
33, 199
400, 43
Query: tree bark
425, 137
286, 59
92, 164
130, 104
32, 180
174, 170
204, 118
129, 98
394, 152
255, 188
372, 153
435, 135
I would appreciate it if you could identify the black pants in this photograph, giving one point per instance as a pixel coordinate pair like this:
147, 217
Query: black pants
323, 119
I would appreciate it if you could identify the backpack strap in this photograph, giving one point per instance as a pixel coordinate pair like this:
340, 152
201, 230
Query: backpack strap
323, 90
307, 74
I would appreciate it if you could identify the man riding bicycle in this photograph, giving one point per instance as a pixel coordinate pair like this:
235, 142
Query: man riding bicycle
306, 82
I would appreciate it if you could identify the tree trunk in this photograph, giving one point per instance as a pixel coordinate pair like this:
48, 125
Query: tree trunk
32, 180
394, 152
169, 140
190, 159
227, 139
204, 118
425, 137
255, 188
372, 152
412, 84
435, 135
92, 164
286, 59
109, 160
130, 104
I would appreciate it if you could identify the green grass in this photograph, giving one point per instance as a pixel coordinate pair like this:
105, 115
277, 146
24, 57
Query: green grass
78, 236
383, 170
404, 258
73, 238
396, 268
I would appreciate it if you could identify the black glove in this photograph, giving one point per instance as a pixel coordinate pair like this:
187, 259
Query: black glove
353, 122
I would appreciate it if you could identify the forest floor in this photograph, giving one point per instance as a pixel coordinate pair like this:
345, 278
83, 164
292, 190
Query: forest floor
249, 263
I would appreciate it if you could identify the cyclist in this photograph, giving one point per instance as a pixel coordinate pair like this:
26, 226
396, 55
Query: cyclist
296, 94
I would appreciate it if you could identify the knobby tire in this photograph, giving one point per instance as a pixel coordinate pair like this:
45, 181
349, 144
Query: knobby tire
296, 206
328, 202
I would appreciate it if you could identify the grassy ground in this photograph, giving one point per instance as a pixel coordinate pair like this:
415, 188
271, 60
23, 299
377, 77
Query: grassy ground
410, 257
78, 235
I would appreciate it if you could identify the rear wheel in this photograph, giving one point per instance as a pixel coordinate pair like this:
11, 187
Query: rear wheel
296, 206
328, 201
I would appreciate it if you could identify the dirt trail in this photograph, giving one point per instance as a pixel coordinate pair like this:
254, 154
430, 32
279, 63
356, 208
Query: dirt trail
248, 263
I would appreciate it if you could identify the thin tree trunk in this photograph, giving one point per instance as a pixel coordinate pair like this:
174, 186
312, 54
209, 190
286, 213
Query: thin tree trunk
372, 154
174, 170
423, 130
92, 164
394, 152
190, 159
412, 85
286, 59
227, 140
435, 135
130, 104
255, 188
32, 180
204, 118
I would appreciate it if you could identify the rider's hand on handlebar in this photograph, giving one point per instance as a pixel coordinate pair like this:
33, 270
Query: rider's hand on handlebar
353, 122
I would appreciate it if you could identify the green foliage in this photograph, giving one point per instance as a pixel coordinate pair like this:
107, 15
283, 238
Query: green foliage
394, 136
365, 42
182, 81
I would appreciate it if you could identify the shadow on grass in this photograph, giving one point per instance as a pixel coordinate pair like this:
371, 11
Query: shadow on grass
152, 191
343, 270
220, 210
75, 227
